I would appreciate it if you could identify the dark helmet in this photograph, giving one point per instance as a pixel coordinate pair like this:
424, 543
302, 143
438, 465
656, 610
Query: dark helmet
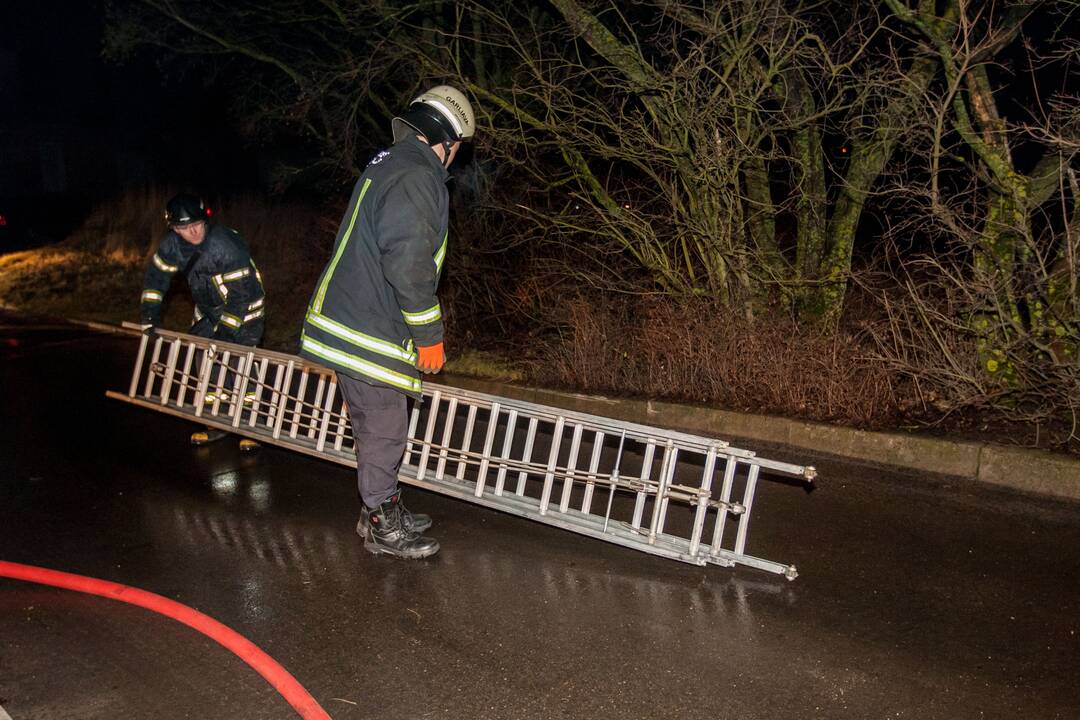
183, 209
443, 115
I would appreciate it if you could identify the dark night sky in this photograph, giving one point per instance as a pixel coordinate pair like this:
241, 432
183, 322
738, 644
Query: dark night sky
76, 128
114, 125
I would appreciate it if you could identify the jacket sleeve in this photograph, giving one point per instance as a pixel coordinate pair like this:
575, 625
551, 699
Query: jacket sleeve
166, 262
241, 289
407, 228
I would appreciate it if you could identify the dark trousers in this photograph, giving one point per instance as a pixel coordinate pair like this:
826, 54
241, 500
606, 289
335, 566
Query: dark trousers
379, 418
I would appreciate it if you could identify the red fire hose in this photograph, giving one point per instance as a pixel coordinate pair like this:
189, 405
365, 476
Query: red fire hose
243, 648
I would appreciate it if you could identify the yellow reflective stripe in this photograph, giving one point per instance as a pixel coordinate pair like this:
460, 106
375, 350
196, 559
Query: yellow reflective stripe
236, 274
360, 365
424, 316
198, 314
251, 316
257, 304
317, 304
164, 266
219, 283
231, 320
440, 254
151, 296
374, 344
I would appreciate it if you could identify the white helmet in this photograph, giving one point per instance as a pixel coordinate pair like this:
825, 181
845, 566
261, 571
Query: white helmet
443, 115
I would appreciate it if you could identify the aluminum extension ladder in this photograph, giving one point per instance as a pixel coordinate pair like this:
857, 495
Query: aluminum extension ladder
667, 493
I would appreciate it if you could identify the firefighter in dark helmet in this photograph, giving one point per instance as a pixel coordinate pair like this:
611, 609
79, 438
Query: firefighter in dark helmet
225, 284
375, 317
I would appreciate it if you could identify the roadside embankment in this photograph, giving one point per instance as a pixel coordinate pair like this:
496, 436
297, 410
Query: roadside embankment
1034, 471
1018, 468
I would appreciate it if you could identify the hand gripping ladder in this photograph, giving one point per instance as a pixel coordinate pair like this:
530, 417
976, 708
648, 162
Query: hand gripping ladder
668, 493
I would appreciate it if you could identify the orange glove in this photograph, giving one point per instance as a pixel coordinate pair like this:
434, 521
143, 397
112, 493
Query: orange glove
430, 359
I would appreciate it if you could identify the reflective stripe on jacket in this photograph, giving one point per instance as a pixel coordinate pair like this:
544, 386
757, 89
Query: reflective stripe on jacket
225, 284
376, 299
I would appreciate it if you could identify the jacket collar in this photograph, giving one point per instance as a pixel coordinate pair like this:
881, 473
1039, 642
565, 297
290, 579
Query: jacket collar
424, 153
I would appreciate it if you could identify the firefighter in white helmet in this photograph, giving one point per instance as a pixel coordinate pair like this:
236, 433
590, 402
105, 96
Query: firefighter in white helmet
375, 317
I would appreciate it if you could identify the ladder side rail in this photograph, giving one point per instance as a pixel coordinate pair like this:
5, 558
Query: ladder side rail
203, 342
805, 472
589, 526
591, 422
595, 422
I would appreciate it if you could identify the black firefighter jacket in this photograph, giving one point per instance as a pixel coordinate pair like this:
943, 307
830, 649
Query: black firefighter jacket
225, 284
375, 301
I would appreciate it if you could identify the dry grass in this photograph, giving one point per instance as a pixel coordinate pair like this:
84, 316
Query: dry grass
702, 352
67, 282
97, 272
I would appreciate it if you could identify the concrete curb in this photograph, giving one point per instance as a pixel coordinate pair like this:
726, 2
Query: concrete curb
1032, 471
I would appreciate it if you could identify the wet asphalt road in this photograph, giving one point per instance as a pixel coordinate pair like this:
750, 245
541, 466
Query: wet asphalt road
917, 598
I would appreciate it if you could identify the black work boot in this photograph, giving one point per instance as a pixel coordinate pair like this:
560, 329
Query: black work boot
386, 534
415, 523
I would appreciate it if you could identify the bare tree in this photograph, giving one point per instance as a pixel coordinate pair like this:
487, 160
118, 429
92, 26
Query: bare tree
990, 317
727, 150
672, 134
679, 133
